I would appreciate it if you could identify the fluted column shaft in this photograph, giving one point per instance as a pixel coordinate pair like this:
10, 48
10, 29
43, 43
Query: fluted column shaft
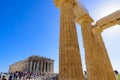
34, 68
52, 67
41, 66
70, 67
37, 67
31, 63
93, 65
47, 67
103, 56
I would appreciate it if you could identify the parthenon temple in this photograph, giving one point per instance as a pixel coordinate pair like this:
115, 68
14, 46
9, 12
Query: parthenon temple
97, 61
34, 64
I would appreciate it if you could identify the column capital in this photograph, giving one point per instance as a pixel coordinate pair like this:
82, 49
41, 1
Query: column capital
97, 29
84, 18
59, 2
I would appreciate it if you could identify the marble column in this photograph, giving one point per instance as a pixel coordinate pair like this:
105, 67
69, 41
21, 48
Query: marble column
44, 66
34, 68
103, 56
52, 67
41, 66
93, 64
47, 66
31, 63
37, 67
70, 67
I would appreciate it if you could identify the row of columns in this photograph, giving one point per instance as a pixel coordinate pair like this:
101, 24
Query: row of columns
97, 61
42, 66
98, 64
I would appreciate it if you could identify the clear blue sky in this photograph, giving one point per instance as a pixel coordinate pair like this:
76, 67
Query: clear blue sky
31, 27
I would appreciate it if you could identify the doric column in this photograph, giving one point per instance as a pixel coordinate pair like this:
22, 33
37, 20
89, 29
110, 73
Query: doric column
52, 67
41, 63
31, 63
44, 66
93, 64
37, 68
41, 66
47, 66
70, 67
103, 56
34, 68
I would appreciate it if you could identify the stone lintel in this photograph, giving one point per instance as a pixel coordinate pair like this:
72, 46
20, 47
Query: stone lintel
109, 20
79, 10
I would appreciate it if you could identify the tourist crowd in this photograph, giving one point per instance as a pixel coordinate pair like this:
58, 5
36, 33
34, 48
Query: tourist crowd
27, 76
38, 76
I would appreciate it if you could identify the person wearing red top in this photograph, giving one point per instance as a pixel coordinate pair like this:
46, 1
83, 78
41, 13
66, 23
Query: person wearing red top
3, 78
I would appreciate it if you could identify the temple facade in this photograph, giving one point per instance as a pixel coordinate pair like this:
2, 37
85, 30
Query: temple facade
34, 64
